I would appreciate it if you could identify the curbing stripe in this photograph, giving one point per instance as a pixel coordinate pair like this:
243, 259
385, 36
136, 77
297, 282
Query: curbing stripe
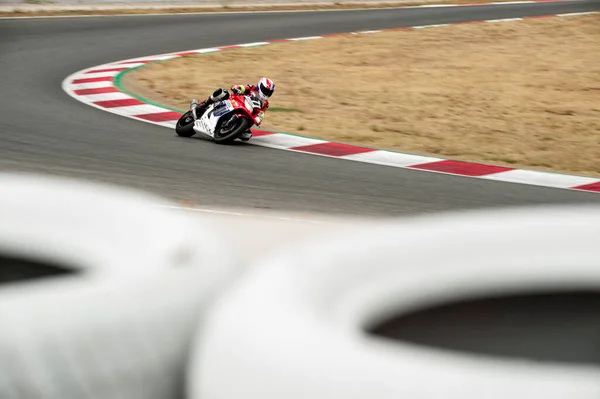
95, 74
595, 187
259, 133
128, 65
94, 80
169, 124
542, 178
93, 85
187, 53
297, 39
577, 14
254, 44
208, 50
132, 110
100, 90
504, 20
430, 26
103, 92
103, 97
332, 149
461, 168
136, 62
119, 69
388, 158
160, 116
118, 103
281, 140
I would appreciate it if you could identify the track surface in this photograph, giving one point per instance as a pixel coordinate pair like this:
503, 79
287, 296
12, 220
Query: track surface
44, 130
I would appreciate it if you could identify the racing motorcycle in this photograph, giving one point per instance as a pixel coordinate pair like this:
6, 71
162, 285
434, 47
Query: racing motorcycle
222, 122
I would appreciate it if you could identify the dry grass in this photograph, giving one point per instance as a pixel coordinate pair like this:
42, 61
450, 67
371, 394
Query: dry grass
521, 94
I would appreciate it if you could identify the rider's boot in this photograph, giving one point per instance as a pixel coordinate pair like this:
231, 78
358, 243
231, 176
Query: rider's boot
218, 95
200, 106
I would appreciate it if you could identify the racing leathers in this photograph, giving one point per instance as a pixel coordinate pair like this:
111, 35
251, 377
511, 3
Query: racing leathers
251, 90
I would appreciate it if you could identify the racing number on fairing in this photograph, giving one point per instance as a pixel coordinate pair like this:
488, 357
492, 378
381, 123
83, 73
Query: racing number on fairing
252, 103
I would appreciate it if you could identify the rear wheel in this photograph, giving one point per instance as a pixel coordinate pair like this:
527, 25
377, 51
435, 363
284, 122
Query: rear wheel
185, 125
231, 127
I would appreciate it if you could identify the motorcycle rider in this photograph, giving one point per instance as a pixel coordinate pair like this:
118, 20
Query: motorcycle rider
262, 92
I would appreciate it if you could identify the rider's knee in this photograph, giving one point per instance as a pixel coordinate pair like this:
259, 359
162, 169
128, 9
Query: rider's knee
219, 95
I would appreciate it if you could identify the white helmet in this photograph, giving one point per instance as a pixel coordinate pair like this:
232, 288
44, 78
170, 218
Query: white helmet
266, 87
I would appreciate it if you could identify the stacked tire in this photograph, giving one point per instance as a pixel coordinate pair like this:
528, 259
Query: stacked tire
301, 326
101, 290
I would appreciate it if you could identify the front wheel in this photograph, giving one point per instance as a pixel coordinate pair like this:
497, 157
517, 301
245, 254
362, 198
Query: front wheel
231, 128
185, 125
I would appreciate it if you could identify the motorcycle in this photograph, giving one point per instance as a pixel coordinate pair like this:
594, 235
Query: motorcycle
222, 122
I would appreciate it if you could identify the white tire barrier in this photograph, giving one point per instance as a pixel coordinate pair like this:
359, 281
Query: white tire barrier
120, 327
295, 327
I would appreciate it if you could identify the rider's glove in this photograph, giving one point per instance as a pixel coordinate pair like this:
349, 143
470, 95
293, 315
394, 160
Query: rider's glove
238, 89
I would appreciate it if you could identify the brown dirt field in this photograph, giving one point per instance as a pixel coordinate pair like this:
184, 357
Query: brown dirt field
49, 12
523, 93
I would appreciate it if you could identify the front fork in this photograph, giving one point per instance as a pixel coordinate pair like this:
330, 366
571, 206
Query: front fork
193, 106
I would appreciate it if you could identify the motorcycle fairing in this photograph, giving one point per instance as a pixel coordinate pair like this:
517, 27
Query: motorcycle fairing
207, 123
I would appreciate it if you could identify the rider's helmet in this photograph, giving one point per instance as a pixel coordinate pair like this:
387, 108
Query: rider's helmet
266, 87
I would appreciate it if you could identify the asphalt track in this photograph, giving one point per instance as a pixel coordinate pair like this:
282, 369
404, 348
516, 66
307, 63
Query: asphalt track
44, 130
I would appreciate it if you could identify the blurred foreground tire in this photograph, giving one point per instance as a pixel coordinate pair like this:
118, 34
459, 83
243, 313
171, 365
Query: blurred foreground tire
296, 327
100, 290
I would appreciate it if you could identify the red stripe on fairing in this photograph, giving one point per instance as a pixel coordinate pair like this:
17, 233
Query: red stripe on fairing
589, 187
461, 168
119, 103
91, 80
99, 90
107, 70
332, 149
160, 116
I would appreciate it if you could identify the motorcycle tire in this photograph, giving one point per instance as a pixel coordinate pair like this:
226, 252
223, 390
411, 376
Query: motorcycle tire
185, 125
241, 125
